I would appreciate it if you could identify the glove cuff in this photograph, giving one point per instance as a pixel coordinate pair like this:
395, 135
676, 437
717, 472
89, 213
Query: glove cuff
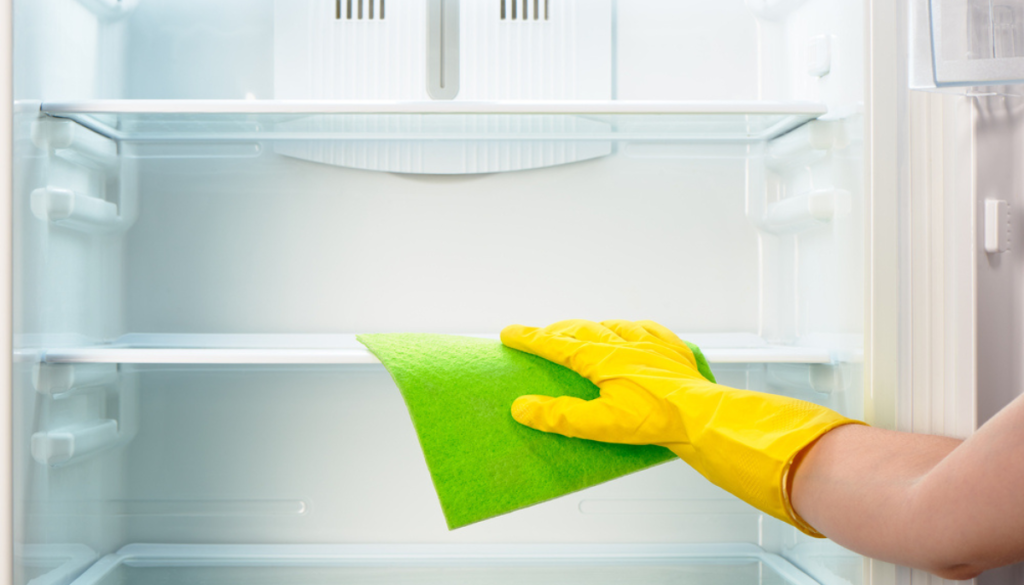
792, 517
749, 442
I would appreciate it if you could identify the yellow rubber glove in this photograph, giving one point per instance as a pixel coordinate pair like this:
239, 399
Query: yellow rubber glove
652, 393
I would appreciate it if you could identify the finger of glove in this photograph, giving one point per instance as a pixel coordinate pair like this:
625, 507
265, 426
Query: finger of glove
665, 334
559, 343
661, 332
634, 332
596, 420
582, 330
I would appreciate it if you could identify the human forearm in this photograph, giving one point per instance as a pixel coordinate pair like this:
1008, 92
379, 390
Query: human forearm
855, 486
947, 506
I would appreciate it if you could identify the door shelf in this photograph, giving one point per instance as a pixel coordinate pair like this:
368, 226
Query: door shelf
325, 349
290, 120
736, 564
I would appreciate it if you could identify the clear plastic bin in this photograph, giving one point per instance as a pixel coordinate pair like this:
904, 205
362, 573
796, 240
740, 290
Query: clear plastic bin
957, 43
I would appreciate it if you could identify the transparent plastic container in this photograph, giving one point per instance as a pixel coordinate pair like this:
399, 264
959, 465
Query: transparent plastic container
963, 43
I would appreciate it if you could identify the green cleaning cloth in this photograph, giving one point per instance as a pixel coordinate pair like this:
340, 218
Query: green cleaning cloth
459, 391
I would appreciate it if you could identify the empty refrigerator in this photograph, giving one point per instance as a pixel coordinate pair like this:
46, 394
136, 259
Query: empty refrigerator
212, 198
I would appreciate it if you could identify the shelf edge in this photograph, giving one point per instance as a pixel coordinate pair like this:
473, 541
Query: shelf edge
249, 356
115, 106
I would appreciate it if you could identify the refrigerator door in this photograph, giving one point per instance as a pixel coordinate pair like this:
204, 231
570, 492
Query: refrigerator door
997, 129
960, 336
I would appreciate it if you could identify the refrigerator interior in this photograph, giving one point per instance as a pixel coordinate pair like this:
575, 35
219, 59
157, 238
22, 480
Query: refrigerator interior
197, 242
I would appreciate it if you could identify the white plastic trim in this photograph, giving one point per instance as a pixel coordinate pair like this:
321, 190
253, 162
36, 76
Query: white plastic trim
6, 308
147, 555
344, 349
431, 107
939, 365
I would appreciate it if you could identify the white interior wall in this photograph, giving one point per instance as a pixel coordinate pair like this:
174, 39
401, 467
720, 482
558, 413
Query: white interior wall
223, 458
271, 244
692, 50
181, 49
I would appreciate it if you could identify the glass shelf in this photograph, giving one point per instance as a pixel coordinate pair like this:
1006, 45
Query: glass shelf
710, 564
280, 120
325, 349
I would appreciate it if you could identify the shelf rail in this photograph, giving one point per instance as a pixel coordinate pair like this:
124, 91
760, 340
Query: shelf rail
183, 349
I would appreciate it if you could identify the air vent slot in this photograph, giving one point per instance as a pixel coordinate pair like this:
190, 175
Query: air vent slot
525, 9
359, 9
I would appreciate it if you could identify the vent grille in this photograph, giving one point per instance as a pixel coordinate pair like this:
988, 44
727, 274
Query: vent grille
525, 9
359, 9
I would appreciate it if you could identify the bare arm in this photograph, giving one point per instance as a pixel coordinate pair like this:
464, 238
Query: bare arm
954, 508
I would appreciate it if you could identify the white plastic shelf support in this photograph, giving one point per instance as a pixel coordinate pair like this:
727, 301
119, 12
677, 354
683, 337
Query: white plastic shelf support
74, 210
805, 144
64, 444
56, 379
804, 211
176, 349
76, 144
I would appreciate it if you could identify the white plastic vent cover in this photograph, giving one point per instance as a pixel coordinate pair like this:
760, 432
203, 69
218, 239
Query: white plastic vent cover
566, 56
510, 9
358, 9
563, 54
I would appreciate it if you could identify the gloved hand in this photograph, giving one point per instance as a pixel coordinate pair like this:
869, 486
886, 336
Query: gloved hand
652, 393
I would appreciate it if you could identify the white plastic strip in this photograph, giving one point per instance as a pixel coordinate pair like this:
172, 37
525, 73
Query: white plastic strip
344, 349
107, 355
387, 557
432, 107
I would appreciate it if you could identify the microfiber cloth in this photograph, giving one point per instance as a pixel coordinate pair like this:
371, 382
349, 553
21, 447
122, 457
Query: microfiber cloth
459, 391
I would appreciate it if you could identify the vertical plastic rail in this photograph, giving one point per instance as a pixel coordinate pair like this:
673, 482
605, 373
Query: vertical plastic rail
87, 212
443, 49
